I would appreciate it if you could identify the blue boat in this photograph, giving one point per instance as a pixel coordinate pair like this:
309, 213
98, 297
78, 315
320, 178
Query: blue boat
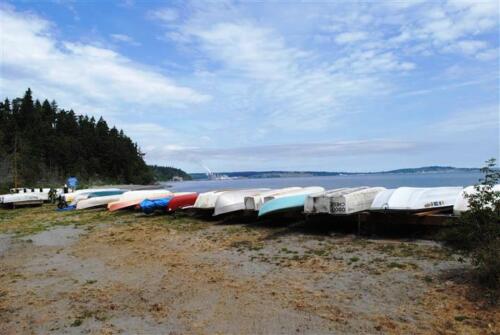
284, 204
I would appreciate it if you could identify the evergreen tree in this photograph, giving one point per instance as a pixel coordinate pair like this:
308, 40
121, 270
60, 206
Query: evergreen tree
43, 143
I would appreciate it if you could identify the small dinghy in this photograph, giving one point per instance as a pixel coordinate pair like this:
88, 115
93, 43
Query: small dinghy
24, 199
233, 201
97, 194
133, 198
81, 194
416, 199
289, 203
462, 203
207, 200
253, 203
344, 201
181, 201
98, 201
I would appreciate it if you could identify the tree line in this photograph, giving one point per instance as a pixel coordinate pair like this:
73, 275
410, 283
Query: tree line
41, 143
164, 173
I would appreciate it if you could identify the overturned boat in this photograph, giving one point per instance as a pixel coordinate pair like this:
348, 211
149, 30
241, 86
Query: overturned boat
23, 199
343, 201
233, 201
416, 199
462, 202
180, 201
133, 198
254, 202
98, 201
97, 194
74, 197
291, 202
207, 200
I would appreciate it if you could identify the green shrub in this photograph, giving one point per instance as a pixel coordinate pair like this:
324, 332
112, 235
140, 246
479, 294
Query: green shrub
477, 233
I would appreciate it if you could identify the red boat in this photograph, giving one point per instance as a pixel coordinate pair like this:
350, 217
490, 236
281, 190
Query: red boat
181, 201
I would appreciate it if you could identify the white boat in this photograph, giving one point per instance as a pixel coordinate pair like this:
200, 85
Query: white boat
18, 199
462, 203
69, 197
232, 201
132, 198
253, 203
416, 199
207, 200
319, 202
344, 201
97, 201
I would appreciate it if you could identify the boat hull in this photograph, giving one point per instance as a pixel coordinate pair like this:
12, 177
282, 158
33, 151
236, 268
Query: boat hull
462, 203
233, 201
181, 201
344, 201
133, 198
414, 199
284, 204
97, 201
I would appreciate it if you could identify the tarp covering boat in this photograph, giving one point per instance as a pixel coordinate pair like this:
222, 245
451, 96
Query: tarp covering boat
148, 206
133, 198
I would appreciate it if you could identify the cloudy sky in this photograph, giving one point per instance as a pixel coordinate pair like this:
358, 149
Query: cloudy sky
340, 85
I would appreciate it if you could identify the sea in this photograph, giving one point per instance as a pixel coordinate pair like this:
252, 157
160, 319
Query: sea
330, 182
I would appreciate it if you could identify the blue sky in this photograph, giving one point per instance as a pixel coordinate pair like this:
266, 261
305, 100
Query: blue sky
340, 85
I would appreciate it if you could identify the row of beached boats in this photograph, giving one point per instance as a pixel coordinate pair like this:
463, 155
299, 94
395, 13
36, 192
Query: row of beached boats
311, 200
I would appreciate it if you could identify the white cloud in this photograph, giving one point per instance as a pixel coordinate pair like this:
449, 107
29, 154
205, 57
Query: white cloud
166, 15
284, 152
422, 27
479, 119
287, 85
125, 39
351, 37
80, 74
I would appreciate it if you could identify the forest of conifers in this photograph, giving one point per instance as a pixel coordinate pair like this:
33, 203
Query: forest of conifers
41, 144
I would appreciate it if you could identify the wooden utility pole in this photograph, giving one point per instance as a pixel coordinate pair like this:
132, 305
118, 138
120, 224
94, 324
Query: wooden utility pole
15, 160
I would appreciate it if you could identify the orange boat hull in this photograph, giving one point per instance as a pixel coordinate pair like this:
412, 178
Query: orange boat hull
117, 205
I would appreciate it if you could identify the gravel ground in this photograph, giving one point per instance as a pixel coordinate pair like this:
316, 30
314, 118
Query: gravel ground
104, 273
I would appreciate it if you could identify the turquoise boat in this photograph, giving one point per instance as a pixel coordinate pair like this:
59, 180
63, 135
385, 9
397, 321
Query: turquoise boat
284, 204
104, 193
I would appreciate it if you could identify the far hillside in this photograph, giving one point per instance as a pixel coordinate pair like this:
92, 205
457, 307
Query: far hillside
166, 173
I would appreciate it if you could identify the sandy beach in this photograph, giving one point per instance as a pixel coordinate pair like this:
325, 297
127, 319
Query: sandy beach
125, 273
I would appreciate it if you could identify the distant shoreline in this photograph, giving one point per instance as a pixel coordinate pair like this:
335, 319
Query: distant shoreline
291, 174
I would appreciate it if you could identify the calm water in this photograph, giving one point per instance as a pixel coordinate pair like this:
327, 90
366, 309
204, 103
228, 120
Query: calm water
387, 180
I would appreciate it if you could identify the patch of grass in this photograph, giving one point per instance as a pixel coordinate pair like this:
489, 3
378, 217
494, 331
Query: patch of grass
353, 259
32, 220
396, 265
76, 323
428, 279
411, 250
460, 318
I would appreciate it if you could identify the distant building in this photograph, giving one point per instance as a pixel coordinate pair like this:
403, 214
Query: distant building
177, 178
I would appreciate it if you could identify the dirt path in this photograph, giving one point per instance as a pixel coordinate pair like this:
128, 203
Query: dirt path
166, 276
